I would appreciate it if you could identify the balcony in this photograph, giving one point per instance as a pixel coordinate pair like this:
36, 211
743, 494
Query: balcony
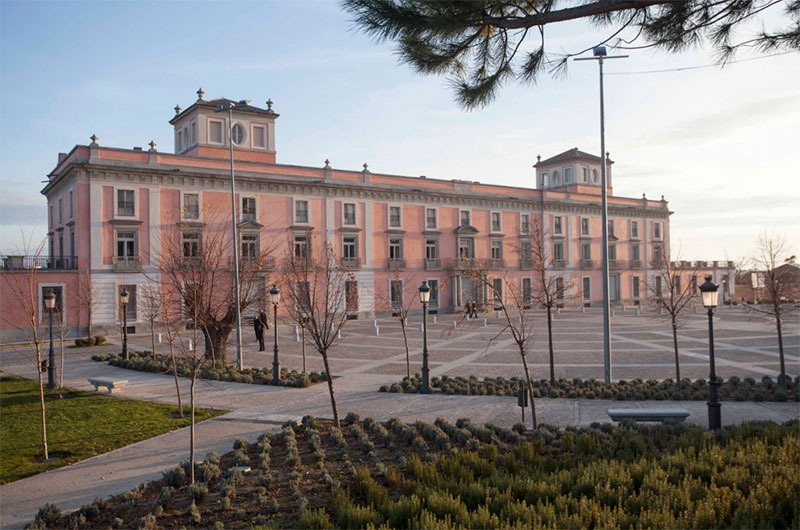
462, 263
40, 262
525, 264
126, 263
587, 264
495, 263
657, 263
352, 264
396, 264
636, 264
432, 264
559, 264
617, 264
254, 262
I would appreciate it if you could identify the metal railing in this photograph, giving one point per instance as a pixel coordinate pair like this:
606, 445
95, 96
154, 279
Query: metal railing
126, 263
40, 262
433, 264
351, 263
396, 264
587, 264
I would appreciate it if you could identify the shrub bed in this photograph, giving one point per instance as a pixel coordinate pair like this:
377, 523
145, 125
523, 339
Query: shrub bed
731, 389
160, 364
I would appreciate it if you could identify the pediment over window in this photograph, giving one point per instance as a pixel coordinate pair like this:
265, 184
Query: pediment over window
466, 230
125, 222
249, 224
190, 224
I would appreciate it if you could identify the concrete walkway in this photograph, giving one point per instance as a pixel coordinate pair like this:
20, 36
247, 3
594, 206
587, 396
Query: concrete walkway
255, 409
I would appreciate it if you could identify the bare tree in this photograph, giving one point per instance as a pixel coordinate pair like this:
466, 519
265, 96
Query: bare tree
169, 320
672, 292
399, 303
23, 284
315, 290
552, 287
150, 303
86, 296
774, 259
197, 264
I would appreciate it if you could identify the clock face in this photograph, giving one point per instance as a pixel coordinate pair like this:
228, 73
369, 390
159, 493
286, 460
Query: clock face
238, 134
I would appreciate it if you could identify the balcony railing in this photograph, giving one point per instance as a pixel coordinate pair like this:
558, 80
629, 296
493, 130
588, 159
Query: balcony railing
587, 264
559, 264
433, 264
351, 263
462, 263
636, 264
126, 263
396, 264
40, 262
617, 264
253, 262
495, 263
657, 263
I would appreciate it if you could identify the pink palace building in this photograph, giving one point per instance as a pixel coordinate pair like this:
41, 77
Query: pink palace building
107, 206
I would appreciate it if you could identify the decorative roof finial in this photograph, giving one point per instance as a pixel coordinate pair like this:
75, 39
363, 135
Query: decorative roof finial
178, 109
327, 164
269, 105
366, 167
644, 196
538, 158
200, 94
152, 145
94, 139
608, 154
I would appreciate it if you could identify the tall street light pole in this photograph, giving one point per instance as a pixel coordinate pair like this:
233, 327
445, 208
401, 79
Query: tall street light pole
229, 106
599, 55
425, 297
275, 298
123, 298
50, 303
709, 292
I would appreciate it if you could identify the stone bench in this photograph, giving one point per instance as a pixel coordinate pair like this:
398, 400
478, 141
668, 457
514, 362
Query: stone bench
662, 415
110, 384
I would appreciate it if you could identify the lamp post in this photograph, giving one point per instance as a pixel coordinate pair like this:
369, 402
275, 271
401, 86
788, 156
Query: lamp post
709, 293
425, 297
599, 53
275, 298
229, 105
123, 298
50, 303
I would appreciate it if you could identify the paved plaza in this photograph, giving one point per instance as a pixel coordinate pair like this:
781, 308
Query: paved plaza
364, 360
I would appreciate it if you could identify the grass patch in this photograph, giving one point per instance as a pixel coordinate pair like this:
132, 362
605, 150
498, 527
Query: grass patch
79, 426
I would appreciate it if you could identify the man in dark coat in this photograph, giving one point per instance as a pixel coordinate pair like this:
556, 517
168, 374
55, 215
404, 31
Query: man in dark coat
259, 328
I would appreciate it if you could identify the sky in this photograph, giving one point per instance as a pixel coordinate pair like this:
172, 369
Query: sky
720, 144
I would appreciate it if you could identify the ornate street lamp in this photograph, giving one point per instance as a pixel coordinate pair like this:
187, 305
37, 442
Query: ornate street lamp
709, 293
50, 303
123, 298
425, 297
275, 298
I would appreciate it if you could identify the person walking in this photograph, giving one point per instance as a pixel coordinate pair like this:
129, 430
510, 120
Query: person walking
466, 309
259, 329
474, 311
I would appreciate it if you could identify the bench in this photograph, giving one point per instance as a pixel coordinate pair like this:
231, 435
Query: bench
110, 384
662, 415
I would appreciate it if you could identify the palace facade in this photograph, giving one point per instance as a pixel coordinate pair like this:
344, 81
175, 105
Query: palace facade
108, 209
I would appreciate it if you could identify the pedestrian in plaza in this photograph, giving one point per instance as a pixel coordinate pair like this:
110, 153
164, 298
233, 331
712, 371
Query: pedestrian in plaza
259, 329
474, 311
466, 309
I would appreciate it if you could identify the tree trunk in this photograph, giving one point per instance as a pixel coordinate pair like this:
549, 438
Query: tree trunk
61, 371
45, 455
405, 341
330, 389
191, 425
675, 347
216, 339
530, 389
550, 344
782, 377
153, 336
175, 375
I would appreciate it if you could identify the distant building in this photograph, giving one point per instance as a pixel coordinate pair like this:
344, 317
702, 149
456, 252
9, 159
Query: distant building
108, 207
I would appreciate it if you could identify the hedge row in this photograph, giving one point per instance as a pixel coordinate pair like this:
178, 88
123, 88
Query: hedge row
731, 389
160, 364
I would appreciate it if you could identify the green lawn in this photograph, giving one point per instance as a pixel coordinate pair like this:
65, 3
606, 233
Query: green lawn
79, 426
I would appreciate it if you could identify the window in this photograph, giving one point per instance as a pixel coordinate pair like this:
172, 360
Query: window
191, 206
560, 289
125, 202
527, 292
466, 248
594, 176
657, 230
351, 295
431, 249
544, 179
349, 214
636, 287
434, 286
259, 136
497, 224
634, 229
612, 251
586, 251
694, 284
556, 178
215, 132
249, 208
130, 308
193, 137
126, 248
635, 253
657, 253
238, 134
585, 175
610, 228
558, 251
465, 218
676, 284
658, 285
191, 243
71, 206
587, 289
497, 290
567, 175
51, 216
525, 223
497, 249
300, 247
525, 253
395, 248
301, 212
72, 246
396, 293
249, 246
58, 310
558, 225
395, 219
179, 141
584, 226
431, 222
350, 247
60, 212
